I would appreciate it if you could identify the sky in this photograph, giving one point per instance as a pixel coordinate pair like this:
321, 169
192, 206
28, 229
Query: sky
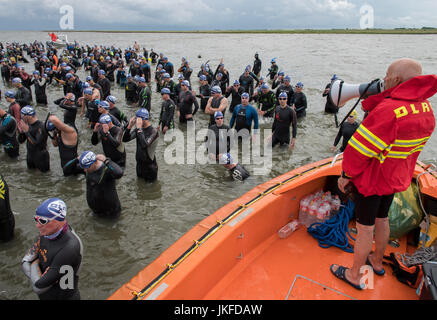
182, 15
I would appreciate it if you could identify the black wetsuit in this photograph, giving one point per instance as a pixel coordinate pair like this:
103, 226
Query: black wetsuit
40, 90
187, 99
131, 92
65, 250
284, 117
215, 104
101, 193
167, 113
23, 96
247, 83
268, 102
329, 106
36, 143
236, 97
112, 144
257, 66
67, 154
147, 138
118, 114
106, 87
239, 172
92, 112
300, 102
8, 135
144, 98
7, 220
346, 131
204, 90
218, 139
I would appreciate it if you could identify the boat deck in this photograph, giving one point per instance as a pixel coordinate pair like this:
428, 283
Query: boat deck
270, 272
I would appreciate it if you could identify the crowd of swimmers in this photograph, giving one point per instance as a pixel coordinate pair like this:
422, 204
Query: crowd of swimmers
246, 98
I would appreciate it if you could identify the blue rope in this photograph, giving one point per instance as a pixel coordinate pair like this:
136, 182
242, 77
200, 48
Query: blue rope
334, 232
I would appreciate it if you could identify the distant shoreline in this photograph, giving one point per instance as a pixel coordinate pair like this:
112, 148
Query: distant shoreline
303, 31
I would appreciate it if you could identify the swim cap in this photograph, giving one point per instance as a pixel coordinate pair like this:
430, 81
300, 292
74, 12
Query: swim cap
299, 85
218, 114
186, 83
16, 80
264, 86
334, 77
104, 104
53, 208
69, 76
226, 158
28, 111
219, 74
281, 73
50, 126
85, 85
181, 77
36, 72
216, 89
102, 72
143, 114
283, 95
88, 78
87, 158
63, 64
47, 70
353, 113
10, 94
111, 99
88, 91
68, 68
236, 82
108, 58
287, 78
159, 65
141, 79
165, 91
105, 119
166, 75
202, 77
245, 95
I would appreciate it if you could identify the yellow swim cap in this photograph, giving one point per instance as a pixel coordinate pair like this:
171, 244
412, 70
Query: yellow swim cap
354, 113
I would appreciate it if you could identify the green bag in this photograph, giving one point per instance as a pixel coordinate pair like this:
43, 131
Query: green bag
405, 213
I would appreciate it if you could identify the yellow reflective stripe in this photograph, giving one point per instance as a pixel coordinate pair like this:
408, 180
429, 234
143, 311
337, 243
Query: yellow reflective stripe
410, 143
369, 136
404, 155
361, 148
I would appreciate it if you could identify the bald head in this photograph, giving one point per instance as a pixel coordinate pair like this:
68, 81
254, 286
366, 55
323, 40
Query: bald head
400, 71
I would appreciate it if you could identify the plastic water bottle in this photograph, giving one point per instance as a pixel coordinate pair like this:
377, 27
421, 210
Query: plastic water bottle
323, 211
303, 210
312, 213
288, 229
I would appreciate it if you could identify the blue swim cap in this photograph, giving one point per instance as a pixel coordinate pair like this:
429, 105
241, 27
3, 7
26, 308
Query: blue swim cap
50, 126
63, 64
287, 78
203, 77
10, 94
104, 104
67, 68
264, 86
245, 95
141, 79
69, 76
219, 74
16, 80
334, 77
88, 91
28, 111
102, 72
299, 85
86, 159
216, 89
88, 78
226, 158
85, 85
236, 82
281, 73
165, 91
166, 75
283, 95
143, 114
47, 70
218, 114
53, 208
181, 77
105, 119
186, 83
111, 99
36, 72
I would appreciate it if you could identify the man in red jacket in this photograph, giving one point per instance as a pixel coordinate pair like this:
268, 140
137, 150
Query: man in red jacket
380, 157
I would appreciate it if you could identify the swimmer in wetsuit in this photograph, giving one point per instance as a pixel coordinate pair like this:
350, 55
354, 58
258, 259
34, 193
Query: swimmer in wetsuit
167, 111
283, 118
8, 134
69, 105
56, 248
7, 220
34, 133
266, 101
217, 102
218, 140
101, 192
237, 171
111, 137
347, 130
185, 106
147, 139
299, 101
65, 137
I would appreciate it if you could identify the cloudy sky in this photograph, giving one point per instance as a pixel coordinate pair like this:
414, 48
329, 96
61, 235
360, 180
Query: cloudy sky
213, 15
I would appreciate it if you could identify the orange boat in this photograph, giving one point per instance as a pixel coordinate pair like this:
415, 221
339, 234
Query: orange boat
236, 254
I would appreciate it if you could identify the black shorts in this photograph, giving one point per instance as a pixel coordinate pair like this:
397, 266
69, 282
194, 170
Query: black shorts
367, 209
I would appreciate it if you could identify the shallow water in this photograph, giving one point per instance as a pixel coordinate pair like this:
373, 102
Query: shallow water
155, 215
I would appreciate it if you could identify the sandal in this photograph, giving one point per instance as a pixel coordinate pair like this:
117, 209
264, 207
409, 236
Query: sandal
341, 274
377, 272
